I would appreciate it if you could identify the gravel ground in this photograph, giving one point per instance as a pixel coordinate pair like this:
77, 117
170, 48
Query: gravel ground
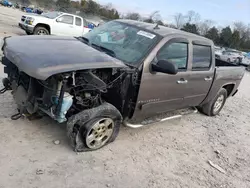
168, 155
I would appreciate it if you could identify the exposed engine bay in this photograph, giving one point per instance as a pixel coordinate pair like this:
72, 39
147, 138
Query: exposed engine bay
66, 94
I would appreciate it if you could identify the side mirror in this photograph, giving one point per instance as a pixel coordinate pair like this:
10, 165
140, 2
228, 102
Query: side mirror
164, 66
59, 19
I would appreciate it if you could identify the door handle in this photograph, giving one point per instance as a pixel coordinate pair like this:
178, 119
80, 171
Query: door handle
208, 78
182, 81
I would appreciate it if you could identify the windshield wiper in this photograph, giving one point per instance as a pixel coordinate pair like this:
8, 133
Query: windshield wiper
106, 50
83, 39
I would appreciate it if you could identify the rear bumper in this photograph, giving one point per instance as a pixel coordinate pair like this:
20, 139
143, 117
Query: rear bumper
27, 28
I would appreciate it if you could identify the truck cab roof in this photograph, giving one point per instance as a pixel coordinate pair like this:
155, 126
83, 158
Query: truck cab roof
165, 31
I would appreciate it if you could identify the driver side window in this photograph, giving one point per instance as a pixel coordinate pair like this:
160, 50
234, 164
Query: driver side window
176, 53
66, 19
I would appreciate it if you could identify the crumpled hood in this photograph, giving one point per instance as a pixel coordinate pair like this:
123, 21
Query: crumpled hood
43, 56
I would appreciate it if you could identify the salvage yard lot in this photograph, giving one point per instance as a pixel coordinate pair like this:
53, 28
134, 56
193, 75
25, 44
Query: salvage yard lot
171, 155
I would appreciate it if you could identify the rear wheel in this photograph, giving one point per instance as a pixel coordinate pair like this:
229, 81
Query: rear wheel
214, 107
41, 31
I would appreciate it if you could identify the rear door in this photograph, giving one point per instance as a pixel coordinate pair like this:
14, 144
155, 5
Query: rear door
202, 73
78, 25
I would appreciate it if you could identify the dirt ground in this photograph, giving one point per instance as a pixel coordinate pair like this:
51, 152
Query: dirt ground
167, 155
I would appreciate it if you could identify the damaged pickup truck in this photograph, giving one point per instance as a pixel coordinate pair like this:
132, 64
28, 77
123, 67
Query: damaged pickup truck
121, 71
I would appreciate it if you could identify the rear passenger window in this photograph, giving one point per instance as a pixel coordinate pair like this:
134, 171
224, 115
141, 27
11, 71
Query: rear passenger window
201, 57
176, 53
78, 21
85, 24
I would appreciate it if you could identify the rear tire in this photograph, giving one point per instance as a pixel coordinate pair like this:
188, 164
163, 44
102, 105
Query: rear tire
41, 31
214, 107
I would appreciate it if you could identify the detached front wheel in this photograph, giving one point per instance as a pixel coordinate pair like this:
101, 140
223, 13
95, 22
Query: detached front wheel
214, 107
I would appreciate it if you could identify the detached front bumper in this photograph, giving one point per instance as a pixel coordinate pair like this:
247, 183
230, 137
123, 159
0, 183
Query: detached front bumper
26, 27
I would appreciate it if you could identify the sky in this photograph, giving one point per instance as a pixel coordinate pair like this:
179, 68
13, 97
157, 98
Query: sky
223, 12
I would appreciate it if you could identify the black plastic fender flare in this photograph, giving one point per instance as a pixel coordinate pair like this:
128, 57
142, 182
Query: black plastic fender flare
104, 110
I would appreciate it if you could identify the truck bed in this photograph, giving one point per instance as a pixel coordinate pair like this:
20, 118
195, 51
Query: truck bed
225, 74
221, 63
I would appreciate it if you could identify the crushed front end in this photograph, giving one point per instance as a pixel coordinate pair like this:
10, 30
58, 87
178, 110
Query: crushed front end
86, 92
63, 95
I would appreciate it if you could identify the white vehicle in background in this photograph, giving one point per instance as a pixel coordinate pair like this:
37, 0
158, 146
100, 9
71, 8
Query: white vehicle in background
54, 23
231, 56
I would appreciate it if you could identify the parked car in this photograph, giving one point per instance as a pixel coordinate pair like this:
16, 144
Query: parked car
90, 25
6, 3
28, 9
231, 56
32, 10
54, 23
96, 85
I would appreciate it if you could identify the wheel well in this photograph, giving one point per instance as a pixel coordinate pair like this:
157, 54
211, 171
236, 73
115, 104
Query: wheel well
229, 88
44, 25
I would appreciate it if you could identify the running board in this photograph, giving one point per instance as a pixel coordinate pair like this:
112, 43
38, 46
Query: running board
135, 126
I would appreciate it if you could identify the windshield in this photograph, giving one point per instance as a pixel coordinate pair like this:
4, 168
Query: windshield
128, 43
51, 15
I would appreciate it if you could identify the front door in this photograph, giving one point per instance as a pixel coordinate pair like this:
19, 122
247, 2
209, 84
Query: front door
63, 26
161, 92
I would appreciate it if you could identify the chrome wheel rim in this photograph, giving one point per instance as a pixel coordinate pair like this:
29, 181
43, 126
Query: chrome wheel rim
41, 32
100, 133
218, 103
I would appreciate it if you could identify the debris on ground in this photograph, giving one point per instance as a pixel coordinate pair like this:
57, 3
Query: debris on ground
217, 167
217, 152
39, 172
56, 142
